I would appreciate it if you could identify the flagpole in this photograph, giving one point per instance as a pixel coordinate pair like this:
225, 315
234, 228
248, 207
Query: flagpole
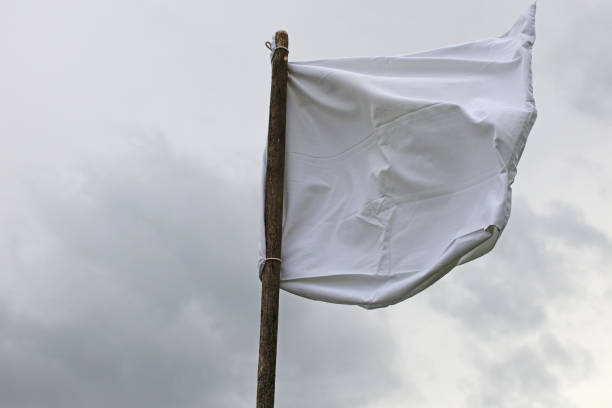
273, 217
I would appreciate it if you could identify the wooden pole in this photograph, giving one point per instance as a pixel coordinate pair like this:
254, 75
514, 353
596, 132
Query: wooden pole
273, 218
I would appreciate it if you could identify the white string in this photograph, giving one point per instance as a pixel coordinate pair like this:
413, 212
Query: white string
271, 45
264, 265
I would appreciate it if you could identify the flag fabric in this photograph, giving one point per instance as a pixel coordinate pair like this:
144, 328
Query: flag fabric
400, 168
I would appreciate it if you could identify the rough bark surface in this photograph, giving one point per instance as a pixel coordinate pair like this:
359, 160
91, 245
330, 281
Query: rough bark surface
273, 215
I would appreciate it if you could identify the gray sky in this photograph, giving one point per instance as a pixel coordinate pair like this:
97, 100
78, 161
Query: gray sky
130, 152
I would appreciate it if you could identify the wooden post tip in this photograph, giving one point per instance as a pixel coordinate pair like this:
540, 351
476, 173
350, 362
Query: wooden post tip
282, 38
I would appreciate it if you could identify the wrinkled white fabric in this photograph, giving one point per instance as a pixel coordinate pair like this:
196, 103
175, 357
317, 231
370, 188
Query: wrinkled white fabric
400, 168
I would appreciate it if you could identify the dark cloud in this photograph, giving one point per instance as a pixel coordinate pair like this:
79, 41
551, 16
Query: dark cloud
509, 298
531, 375
337, 356
142, 292
511, 290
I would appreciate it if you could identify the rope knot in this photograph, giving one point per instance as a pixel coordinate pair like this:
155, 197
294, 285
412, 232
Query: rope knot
271, 45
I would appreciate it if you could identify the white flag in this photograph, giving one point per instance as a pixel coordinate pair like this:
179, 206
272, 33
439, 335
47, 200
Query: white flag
400, 168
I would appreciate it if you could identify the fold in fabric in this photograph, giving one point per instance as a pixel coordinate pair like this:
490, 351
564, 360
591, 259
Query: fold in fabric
400, 168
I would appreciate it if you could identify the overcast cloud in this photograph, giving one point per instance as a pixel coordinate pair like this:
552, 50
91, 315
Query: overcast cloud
130, 148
